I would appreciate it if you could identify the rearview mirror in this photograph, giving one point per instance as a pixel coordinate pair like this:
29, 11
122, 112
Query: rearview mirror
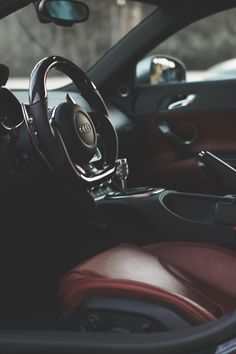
63, 12
160, 69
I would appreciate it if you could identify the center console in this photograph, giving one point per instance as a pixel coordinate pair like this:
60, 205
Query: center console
165, 215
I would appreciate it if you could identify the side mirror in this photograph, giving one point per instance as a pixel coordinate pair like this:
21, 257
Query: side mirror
158, 69
63, 12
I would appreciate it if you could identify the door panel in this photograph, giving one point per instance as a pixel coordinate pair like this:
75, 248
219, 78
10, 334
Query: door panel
176, 136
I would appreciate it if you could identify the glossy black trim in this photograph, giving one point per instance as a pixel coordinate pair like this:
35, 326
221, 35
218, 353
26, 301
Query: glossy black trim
50, 141
37, 87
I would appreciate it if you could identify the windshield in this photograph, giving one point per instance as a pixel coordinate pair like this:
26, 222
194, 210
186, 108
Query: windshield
27, 40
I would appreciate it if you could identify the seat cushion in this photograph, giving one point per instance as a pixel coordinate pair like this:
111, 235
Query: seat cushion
195, 279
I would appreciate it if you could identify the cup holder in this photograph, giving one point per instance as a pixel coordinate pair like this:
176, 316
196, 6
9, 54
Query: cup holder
192, 207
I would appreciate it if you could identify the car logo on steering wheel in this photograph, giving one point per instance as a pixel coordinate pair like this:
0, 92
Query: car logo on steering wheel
85, 128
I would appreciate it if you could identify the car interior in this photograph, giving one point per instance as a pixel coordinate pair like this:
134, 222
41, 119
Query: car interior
118, 197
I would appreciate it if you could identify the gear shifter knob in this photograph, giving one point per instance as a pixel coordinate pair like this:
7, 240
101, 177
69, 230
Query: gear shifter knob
122, 172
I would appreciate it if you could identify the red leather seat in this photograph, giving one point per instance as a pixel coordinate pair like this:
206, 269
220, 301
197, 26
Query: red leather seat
196, 279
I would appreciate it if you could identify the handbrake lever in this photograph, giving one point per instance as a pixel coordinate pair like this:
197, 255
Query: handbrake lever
219, 170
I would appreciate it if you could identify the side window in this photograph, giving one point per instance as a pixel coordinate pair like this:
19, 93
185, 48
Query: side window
207, 48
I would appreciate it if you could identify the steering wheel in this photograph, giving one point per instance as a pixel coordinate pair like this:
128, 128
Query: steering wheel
67, 136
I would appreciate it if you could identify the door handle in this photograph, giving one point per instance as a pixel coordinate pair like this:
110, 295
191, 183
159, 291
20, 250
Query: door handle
187, 101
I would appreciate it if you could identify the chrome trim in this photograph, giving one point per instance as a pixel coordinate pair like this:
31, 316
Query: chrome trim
98, 177
14, 127
123, 90
97, 156
138, 195
122, 172
183, 103
70, 99
97, 199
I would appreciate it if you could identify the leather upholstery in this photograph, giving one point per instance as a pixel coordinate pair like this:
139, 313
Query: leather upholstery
196, 279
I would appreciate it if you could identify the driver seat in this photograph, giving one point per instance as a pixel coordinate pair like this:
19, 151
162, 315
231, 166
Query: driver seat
160, 287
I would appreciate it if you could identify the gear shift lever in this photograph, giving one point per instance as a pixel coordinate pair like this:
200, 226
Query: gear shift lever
122, 172
223, 173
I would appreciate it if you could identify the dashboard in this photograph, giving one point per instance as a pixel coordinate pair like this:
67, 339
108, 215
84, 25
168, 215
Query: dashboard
119, 120
54, 98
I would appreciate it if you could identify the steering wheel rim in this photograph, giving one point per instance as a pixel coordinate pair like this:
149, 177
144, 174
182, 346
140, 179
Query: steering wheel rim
48, 134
